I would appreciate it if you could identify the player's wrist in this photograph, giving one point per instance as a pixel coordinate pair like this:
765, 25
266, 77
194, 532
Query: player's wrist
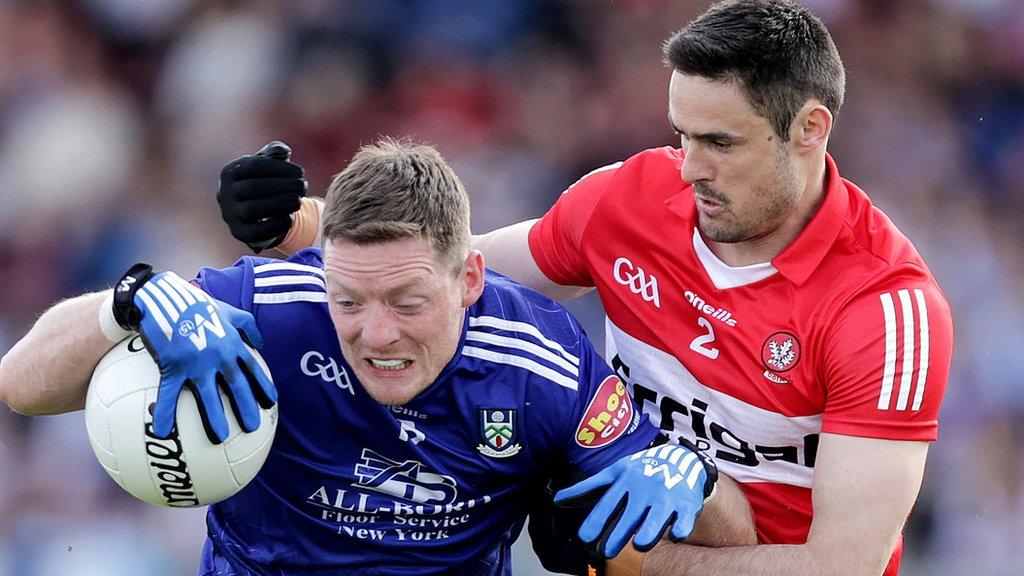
118, 316
305, 229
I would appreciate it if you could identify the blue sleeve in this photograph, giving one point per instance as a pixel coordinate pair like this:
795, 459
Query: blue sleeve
232, 285
606, 424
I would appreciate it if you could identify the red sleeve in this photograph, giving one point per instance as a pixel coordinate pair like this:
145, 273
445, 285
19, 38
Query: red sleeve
555, 238
886, 362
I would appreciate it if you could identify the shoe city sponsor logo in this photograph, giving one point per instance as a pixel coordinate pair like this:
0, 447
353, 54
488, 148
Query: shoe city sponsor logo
313, 363
608, 416
638, 281
701, 305
424, 506
167, 464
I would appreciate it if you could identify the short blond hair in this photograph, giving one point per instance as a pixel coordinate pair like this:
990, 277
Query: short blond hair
395, 189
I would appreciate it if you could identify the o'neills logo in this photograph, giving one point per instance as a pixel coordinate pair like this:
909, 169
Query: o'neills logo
718, 313
165, 459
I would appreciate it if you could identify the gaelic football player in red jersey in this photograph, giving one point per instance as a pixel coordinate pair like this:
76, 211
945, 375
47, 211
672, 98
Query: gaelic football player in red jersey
758, 304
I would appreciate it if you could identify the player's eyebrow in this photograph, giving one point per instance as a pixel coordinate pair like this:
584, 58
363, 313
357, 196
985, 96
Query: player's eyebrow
721, 137
396, 291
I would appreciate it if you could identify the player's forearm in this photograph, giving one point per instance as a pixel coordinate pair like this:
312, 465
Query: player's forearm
48, 371
672, 559
507, 250
726, 519
676, 559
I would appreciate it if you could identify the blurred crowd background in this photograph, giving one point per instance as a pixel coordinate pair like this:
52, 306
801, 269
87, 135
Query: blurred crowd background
116, 115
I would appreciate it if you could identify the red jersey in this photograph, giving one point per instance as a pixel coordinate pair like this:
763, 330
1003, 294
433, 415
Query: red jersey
844, 332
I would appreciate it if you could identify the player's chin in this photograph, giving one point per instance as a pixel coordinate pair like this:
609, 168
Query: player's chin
390, 396
392, 391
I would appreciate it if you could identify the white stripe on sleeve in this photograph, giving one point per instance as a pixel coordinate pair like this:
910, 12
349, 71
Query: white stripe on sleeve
497, 340
288, 280
286, 297
922, 373
512, 325
889, 372
907, 311
277, 266
525, 363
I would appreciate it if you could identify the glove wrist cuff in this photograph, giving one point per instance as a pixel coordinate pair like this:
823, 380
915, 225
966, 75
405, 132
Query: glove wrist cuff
125, 313
711, 483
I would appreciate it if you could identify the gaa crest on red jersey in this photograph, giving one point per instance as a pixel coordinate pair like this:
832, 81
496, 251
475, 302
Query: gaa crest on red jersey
781, 352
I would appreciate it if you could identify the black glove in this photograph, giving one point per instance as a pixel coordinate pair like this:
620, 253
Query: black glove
553, 535
258, 195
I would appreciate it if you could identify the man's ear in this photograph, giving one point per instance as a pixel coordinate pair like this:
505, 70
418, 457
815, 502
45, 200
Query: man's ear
473, 277
811, 127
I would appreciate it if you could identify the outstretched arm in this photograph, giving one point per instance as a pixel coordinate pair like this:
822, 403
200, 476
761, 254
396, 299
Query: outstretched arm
507, 250
863, 491
195, 341
48, 371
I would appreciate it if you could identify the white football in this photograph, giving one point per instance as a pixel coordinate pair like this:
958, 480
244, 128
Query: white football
185, 470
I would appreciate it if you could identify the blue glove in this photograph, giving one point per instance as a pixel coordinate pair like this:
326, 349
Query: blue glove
646, 493
197, 342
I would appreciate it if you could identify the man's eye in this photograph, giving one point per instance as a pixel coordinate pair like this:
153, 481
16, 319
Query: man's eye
719, 145
408, 307
346, 304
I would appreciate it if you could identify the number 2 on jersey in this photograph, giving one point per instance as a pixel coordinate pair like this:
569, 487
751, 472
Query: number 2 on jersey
699, 344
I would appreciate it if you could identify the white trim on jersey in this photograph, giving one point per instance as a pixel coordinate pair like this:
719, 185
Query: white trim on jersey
614, 166
525, 346
723, 275
523, 327
289, 280
922, 374
521, 362
729, 422
889, 372
908, 349
287, 297
277, 266
912, 332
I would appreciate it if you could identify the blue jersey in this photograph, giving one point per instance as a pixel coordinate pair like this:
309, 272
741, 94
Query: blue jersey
441, 484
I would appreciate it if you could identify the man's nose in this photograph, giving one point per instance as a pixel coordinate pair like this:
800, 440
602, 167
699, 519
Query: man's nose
696, 167
380, 330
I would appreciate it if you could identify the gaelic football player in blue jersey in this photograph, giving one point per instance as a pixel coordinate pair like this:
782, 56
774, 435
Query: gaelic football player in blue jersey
425, 403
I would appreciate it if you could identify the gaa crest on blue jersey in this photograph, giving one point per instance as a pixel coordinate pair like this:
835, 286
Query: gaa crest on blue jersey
498, 433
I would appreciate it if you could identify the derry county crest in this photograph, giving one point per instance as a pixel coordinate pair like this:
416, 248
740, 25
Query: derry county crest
498, 433
780, 353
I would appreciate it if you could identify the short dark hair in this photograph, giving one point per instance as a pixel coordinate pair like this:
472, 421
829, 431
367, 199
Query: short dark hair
780, 53
395, 189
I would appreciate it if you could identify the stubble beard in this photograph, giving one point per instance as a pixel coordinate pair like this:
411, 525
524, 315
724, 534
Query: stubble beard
772, 203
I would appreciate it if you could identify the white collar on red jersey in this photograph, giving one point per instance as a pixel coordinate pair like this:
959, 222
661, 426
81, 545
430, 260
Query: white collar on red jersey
723, 275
